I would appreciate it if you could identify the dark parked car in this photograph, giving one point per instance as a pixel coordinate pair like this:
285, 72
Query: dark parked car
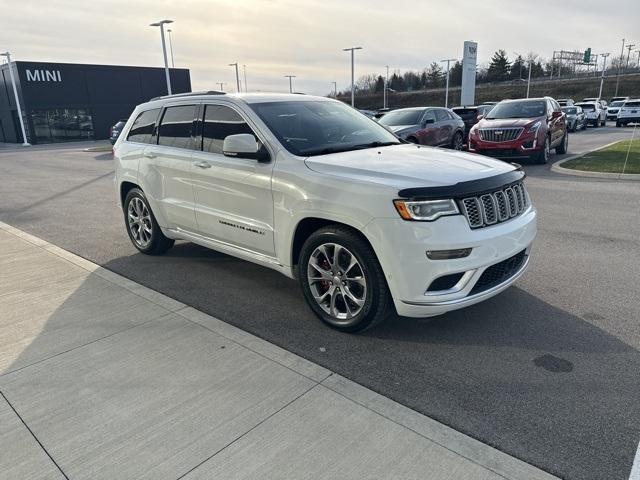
527, 128
433, 126
470, 116
576, 119
114, 132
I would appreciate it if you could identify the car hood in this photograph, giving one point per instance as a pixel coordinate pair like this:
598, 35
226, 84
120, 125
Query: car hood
507, 122
405, 166
398, 128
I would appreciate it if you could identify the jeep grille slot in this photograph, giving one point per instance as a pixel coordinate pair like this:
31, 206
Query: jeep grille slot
495, 207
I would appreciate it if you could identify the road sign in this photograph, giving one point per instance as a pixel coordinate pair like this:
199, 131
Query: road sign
587, 56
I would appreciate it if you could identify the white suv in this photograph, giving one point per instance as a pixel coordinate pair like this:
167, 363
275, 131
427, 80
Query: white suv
629, 113
313, 189
594, 112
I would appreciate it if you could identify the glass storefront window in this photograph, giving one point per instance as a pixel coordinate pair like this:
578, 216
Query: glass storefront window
62, 125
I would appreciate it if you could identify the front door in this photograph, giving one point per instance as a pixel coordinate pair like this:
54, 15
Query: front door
233, 195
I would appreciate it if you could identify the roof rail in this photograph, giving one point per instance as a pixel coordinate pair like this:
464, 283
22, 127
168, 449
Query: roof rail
189, 94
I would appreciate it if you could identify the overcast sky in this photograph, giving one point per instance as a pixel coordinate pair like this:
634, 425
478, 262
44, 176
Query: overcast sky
305, 37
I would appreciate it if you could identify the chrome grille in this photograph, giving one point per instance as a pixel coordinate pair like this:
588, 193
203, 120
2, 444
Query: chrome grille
499, 134
495, 207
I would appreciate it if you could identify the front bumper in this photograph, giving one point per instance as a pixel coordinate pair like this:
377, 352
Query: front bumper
523, 147
401, 247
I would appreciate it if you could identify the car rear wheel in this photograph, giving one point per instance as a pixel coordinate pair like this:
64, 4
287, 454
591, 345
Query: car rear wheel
564, 145
458, 142
342, 280
596, 124
142, 227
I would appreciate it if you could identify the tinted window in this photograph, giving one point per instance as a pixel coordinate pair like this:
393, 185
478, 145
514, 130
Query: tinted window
587, 107
219, 122
402, 117
442, 115
142, 128
632, 104
570, 110
430, 115
176, 126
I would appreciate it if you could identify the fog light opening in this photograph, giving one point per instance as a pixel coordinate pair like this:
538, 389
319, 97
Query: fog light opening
448, 254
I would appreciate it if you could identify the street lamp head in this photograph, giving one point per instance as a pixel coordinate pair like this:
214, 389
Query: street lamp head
351, 48
161, 22
5, 54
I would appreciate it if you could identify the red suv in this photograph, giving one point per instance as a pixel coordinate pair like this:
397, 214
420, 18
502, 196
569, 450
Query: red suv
516, 129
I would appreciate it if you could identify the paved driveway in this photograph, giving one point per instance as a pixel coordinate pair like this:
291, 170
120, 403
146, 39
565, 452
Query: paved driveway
547, 371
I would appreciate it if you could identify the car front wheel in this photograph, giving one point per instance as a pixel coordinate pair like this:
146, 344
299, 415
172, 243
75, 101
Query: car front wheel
542, 156
564, 145
142, 227
342, 280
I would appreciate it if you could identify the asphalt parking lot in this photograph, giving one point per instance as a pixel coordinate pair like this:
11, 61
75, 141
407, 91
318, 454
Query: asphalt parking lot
547, 371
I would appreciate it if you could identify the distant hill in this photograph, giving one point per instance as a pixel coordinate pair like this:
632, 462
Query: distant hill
576, 88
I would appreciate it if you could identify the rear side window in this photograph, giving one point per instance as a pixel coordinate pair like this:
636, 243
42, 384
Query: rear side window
632, 104
176, 127
142, 128
442, 115
219, 122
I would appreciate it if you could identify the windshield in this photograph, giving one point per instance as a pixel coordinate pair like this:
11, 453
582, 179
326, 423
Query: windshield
402, 117
570, 110
587, 107
524, 109
616, 103
308, 128
632, 104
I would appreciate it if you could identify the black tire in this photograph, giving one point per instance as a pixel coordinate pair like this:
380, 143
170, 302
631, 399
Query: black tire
157, 243
584, 125
377, 305
561, 149
457, 142
542, 156
596, 124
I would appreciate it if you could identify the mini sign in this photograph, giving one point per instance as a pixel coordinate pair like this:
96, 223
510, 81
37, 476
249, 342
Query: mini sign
44, 76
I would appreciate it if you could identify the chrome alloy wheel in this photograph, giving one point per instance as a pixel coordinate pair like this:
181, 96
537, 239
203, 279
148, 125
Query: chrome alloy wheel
139, 219
337, 281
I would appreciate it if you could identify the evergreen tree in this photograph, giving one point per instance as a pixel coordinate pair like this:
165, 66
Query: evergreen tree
499, 67
455, 74
519, 68
434, 75
379, 84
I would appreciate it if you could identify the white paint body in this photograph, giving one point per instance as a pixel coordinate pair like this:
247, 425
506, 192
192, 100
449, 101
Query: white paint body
251, 209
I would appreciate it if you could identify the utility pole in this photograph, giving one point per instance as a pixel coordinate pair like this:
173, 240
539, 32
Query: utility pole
222, 84
335, 89
353, 85
244, 68
386, 86
529, 80
619, 67
237, 75
446, 89
629, 47
15, 95
290, 82
604, 67
173, 65
161, 24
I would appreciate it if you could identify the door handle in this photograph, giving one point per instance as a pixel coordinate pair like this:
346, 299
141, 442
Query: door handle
202, 164
150, 155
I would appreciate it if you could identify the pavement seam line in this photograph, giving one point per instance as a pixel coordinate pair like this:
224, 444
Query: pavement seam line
422, 435
85, 344
34, 436
248, 431
44, 245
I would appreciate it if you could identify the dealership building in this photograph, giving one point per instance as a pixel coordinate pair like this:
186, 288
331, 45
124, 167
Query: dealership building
64, 101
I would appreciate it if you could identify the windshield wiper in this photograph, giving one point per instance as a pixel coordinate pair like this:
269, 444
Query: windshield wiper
374, 145
348, 148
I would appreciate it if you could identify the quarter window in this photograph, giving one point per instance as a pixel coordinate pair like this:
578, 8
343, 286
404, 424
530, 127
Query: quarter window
441, 115
220, 122
142, 128
176, 126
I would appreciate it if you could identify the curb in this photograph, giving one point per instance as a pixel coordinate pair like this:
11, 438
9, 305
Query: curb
557, 168
458, 443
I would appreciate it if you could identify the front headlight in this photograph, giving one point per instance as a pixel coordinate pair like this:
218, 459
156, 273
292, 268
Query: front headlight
534, 128
425, 210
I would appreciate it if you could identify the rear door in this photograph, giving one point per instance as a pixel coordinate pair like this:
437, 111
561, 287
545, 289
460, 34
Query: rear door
556, 125
233, 195
444, 123
167, 165
428, 135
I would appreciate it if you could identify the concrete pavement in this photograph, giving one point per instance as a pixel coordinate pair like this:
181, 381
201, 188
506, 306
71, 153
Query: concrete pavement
101, 377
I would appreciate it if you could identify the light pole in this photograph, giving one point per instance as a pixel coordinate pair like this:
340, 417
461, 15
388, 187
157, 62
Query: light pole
386, 86
290, 82
173, 65
353, 86
619, 67
244, 69
237, 75
629, 47
164, 50
529, 79
521, 63
446, 89
15, 94
604, 67
222, 84
335, 89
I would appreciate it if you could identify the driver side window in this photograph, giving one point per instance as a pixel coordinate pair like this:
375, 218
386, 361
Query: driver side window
219, 122
429, 115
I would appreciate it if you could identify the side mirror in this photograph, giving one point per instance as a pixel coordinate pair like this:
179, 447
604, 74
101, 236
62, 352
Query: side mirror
480, 117
244, 145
